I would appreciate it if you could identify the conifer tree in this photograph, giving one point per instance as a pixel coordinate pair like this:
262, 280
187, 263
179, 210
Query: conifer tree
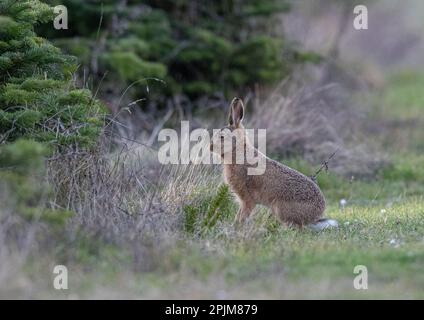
199, 48
41, 110
38, 99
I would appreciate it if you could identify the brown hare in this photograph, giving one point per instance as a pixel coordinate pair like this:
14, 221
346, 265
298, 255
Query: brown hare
293, 197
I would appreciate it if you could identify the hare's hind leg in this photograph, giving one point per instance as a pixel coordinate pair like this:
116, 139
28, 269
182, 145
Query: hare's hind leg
296, 214
246, 208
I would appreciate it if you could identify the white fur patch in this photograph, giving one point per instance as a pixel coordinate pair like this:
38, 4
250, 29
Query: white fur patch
324, 224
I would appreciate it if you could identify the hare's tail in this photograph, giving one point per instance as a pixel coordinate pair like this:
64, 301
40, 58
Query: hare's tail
323, 224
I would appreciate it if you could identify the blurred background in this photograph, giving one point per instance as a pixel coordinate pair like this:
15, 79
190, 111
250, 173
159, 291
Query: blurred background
81, 109
158, 62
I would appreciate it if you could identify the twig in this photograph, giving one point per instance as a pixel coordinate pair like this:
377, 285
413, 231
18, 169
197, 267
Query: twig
5, 136
100, 23
149, 205
324, 165
131, 140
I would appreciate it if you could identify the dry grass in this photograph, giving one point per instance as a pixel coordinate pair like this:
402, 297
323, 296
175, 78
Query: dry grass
313, 122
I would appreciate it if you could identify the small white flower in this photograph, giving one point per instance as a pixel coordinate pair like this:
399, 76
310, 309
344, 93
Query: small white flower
343, 203
395, 243
383, 211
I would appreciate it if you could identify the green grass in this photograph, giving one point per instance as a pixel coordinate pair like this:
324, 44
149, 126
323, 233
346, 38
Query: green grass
404, 177
403, 98
381, 228
398, 114
278, 262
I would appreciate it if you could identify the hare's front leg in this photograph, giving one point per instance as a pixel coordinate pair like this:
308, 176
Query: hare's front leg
246, 208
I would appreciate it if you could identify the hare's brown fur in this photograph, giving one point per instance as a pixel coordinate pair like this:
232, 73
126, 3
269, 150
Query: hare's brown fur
294, 198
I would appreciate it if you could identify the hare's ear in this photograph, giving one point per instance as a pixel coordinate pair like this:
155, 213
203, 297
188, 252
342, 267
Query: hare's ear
236, 113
